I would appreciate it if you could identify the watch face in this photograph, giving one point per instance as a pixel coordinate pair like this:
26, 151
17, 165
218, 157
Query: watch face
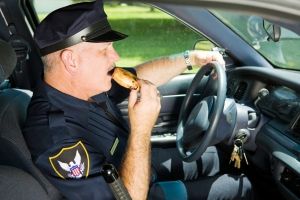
187, 60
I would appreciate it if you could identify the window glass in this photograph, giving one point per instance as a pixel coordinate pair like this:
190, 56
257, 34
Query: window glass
283, 53
43, 7
152, 33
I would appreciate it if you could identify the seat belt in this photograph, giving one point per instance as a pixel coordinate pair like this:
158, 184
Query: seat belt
22, 50
21, 47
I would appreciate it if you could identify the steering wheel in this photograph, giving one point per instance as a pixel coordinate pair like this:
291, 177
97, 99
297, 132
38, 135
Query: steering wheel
197, 129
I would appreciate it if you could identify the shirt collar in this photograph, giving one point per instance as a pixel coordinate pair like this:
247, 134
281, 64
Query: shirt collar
59, 98
100, 98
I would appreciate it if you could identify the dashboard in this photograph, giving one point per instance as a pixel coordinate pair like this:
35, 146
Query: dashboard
283, 104
276, 101
275, 95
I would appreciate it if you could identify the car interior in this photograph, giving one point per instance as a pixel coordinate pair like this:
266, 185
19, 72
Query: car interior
257, 98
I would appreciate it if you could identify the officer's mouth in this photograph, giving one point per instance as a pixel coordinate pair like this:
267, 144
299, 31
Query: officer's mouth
110, 72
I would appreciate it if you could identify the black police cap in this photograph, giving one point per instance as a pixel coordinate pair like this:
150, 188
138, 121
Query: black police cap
70, 25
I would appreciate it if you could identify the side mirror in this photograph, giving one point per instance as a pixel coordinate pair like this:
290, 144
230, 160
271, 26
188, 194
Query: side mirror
273, 31
204, 45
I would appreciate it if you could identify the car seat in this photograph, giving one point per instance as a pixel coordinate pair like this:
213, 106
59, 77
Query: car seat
18, 174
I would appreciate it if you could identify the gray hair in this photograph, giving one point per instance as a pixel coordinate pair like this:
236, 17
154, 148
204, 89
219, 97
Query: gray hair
49, 61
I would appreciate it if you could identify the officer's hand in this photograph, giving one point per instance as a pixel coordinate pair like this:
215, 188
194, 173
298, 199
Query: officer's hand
143, 110
200, 58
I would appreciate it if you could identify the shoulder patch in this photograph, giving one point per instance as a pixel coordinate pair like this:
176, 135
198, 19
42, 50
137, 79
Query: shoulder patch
71, 162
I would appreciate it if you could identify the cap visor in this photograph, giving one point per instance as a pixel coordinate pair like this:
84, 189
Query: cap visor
109, 36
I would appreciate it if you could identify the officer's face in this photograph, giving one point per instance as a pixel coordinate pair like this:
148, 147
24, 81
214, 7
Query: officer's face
96, 63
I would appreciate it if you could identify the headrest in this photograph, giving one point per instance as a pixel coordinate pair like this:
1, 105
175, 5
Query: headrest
8, 60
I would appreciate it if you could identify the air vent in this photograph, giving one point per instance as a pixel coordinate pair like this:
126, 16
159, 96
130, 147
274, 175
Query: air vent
230, 88
239, 93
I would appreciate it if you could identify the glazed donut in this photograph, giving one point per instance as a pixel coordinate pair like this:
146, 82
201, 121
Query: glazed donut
125, 79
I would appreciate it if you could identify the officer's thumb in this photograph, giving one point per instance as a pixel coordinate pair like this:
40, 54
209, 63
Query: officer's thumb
133, 97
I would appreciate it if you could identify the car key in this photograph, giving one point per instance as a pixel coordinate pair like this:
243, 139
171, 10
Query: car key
235, 156
237, 162
237, 153
240, 143
244, 155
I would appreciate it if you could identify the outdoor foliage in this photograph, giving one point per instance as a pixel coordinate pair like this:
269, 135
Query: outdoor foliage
152, 33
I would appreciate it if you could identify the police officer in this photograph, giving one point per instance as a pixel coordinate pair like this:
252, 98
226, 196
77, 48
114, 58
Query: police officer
74, 126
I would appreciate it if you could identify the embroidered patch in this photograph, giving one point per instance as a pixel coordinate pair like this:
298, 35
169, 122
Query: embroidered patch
71, 162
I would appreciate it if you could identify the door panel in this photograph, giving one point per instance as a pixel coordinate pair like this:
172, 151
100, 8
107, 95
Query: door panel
173, 94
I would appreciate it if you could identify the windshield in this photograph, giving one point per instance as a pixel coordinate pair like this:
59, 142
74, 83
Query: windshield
284, 53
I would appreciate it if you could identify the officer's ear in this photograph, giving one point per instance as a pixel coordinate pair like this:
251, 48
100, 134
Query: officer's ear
68, 58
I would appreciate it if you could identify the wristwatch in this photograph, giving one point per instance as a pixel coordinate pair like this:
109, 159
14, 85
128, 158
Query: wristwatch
187, 60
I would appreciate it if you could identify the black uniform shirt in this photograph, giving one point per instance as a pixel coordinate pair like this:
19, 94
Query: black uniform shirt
70, 139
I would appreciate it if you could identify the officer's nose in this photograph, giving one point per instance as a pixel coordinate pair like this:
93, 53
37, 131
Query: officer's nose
113, 54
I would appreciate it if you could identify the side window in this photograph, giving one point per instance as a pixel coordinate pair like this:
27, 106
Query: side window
152, 33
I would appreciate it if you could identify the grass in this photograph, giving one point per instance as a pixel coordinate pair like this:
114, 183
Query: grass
151, 34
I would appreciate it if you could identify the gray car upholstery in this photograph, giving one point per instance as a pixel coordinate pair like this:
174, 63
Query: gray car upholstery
17, 184
13, 149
